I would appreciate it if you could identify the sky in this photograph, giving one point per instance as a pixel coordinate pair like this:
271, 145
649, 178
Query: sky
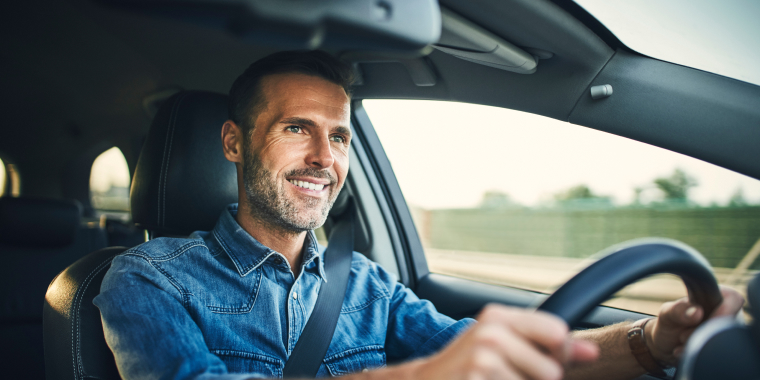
477, 148
722, 37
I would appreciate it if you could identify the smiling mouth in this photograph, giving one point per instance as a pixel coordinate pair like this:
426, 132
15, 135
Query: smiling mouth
307, 185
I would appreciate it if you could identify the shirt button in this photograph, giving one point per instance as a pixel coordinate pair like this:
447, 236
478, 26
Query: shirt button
295, 295
278, 260
365, 370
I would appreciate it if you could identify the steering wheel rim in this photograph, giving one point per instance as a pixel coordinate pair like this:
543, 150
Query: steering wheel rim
628, 262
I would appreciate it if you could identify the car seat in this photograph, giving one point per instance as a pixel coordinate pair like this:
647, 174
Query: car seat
38, 238
182, 183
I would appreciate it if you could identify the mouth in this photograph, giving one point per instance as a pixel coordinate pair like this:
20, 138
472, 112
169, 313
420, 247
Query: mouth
312, 185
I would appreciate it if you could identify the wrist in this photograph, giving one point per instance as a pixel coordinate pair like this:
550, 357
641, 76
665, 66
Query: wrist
641, 343
664, 359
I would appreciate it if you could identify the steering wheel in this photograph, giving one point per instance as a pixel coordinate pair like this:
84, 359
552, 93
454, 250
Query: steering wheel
627, 263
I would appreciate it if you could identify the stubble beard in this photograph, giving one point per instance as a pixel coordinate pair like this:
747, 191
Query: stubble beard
269, 203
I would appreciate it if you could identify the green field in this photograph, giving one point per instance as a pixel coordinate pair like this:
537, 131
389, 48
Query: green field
722, 234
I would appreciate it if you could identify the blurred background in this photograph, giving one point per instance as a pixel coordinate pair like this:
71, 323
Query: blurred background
522, 200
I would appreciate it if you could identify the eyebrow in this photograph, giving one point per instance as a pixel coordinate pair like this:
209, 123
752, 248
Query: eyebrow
311, 123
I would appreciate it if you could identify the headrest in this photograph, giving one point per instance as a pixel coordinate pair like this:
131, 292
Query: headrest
33, 222
182, 181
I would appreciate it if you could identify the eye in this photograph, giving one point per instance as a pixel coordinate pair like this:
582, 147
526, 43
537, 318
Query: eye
338, 139
294, 129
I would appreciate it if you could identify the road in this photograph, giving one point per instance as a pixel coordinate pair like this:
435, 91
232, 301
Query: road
545, 274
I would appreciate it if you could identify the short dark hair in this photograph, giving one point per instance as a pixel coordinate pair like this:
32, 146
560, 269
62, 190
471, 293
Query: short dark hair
247, 97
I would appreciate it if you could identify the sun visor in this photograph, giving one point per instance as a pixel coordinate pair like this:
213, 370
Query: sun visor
377, 25
463, 39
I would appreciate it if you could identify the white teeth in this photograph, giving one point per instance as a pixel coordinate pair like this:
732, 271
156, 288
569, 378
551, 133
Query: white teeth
307, 185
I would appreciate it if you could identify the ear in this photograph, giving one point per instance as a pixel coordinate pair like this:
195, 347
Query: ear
232, 142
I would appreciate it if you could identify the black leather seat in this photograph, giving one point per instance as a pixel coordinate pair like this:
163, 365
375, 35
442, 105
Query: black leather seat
182, 183
38, 239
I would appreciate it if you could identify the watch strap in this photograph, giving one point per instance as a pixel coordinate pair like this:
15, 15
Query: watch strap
640, 350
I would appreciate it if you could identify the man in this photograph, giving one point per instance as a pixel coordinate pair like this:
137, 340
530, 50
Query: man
232, 302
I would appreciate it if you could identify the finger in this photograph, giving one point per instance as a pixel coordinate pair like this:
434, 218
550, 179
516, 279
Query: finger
519, 353
680, 313
731, 305
487, 364
535, 363
543, 329
502, 371
684, 336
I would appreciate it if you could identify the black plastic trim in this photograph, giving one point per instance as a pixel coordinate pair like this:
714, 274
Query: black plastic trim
693, 112
379, 197
459, 298
591, 22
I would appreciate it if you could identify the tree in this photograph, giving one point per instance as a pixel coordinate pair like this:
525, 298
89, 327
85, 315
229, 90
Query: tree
676, 186
496, 199
576, 192
737, 200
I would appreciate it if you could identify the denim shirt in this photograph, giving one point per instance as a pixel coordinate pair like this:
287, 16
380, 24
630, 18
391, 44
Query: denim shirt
219, 304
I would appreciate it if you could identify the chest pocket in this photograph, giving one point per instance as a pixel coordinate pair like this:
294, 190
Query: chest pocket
355, 360
246, 362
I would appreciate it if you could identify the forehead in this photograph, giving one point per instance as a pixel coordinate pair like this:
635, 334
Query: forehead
300, 92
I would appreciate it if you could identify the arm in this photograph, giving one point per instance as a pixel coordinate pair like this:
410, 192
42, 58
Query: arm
147, 327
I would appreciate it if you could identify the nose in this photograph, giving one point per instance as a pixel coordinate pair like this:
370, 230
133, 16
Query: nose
320, 153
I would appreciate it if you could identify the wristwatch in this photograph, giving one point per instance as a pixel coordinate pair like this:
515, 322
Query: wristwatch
640, 350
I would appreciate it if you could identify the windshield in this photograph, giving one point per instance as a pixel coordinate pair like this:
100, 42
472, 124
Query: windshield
721, 37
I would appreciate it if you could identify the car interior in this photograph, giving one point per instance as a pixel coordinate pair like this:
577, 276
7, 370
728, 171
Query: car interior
151, 78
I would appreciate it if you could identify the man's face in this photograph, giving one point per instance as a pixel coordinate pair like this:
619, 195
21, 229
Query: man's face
297, 158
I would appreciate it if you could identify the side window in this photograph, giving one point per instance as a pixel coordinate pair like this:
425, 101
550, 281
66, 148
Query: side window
9, 180
522, 200
2, 178
109, 182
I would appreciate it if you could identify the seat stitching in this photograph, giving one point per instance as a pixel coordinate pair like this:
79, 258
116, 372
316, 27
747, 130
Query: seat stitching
164, 163
75, 320
172, 125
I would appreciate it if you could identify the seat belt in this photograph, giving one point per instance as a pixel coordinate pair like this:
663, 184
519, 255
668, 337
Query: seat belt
316, 336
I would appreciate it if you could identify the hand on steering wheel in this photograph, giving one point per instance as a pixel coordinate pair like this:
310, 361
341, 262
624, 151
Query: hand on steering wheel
677, 321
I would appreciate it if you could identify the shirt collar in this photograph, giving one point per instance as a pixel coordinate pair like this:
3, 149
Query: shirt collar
247, 253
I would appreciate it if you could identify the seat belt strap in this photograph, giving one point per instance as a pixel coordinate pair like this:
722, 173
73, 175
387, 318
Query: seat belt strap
316, 336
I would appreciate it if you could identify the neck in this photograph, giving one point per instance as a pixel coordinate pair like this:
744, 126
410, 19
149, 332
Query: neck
288, 243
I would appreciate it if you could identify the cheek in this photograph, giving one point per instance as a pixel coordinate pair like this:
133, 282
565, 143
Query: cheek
279, 152
341, 165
